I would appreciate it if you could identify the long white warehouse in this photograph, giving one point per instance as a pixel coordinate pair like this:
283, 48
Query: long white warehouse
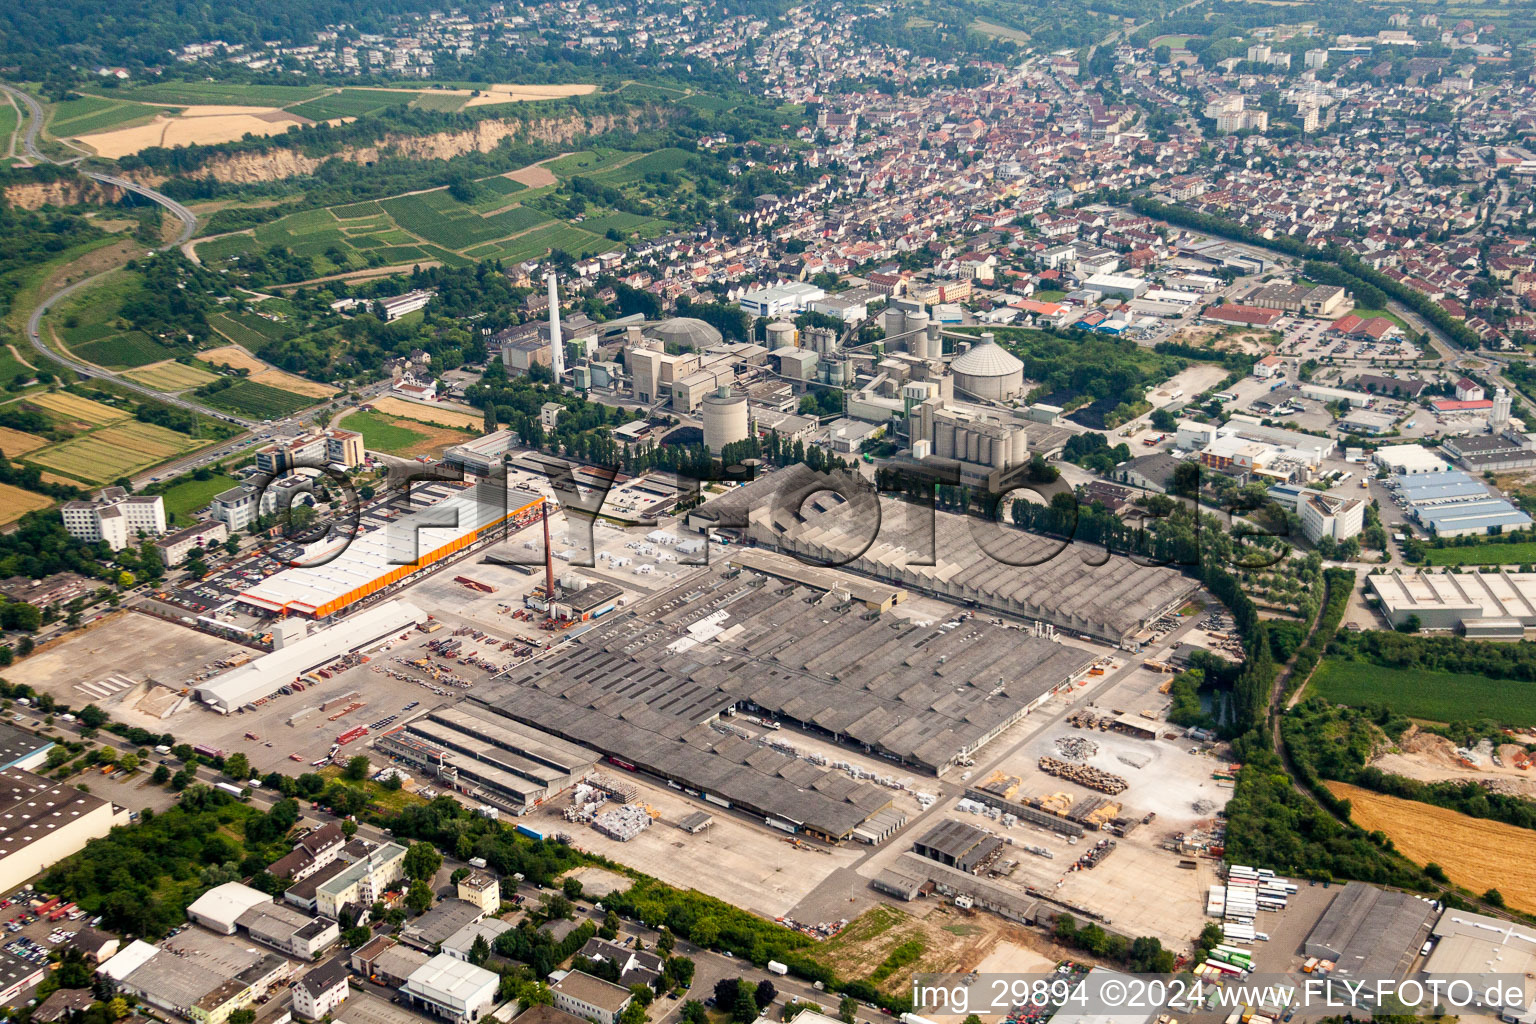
270, 673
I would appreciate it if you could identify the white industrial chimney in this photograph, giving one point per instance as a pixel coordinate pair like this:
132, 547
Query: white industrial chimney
556, 344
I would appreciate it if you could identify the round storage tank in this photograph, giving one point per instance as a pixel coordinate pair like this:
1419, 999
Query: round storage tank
917, 335
781, 334
987, 371
725, 419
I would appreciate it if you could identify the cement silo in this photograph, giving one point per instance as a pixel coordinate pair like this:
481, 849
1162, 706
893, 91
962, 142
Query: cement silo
916, 329
781, 334
987, 371
725, 419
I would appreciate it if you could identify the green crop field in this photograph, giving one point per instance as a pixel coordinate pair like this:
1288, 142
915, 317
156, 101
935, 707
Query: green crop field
188, 496
1423, 693
90, 329
1483, 554
9, 119
381, 434
567, 237
122, 351
11, 367
438, 217
587, 162
257, 400
351, 103
106, 454
442, 102
238, 330
225, 246
93, 114
220, 93
661, 161
356, 210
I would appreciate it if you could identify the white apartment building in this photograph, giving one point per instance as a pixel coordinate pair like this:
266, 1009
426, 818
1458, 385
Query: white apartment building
1331, 515
362, 882
116, 517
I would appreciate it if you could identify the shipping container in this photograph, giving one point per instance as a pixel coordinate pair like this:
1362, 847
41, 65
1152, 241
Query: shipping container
531, 833
204, 750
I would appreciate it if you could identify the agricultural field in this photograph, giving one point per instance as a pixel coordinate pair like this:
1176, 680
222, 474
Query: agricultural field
1475, 852
246, 329
170, 376
428, 414
95, 114
9, 120
188, 496
1426, 694
17, 442
73, 412
252, 398
238, 358
89, 327
395, 436
16, 502
222, 93
12, 367
1483, 554
111, 452
352, 103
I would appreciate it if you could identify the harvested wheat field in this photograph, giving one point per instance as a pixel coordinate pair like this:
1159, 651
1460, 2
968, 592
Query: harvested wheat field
1474, 852
284, 381
238, 358
425, 414
15, 502
521, 93
207, 125
534, 175
75, 410
235, 357
16, 442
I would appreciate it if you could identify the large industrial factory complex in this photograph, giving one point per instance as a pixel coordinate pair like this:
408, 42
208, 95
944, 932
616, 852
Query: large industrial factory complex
1087, 591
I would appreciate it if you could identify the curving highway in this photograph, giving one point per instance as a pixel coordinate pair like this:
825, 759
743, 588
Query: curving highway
34, 322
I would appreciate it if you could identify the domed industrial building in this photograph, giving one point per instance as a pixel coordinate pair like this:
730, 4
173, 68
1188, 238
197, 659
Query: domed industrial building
685, 332
989, 371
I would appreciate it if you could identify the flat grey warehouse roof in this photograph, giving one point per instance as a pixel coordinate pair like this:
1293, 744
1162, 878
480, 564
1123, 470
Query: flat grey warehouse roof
1071, 585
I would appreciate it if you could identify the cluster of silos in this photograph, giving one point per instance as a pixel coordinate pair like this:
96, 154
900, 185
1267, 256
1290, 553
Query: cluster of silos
984, 444
913, 331
725, 419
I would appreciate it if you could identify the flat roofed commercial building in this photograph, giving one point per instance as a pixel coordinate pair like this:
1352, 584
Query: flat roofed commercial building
452, 989
1472, 518
388, 553
1370, 932
924, 694
1487, 951
1446, 600
499, 760
20, 748
1421, 490
271, 672
589, 998
1407, 459
1495, 453
42, 822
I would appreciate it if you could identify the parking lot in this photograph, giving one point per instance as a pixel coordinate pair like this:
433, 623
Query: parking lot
1307, 338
